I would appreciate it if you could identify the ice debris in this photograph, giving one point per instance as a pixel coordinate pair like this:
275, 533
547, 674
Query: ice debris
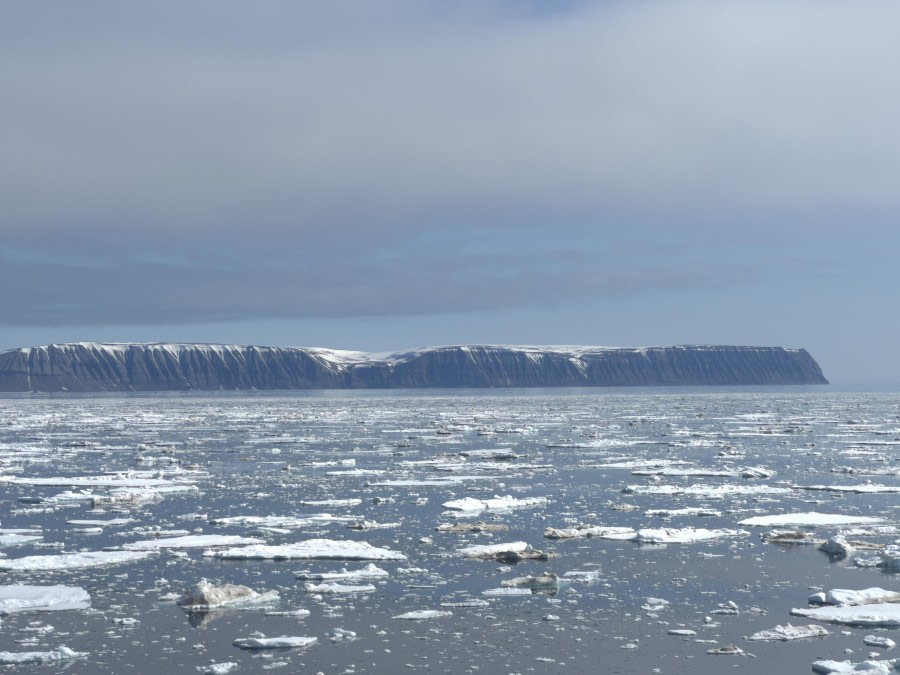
847, 597
509, 552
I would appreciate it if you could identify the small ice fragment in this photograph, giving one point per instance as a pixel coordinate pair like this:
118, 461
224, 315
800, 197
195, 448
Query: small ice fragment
221, 668
877, 641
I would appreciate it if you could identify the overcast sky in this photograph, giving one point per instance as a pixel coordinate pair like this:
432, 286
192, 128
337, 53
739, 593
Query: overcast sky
389, 174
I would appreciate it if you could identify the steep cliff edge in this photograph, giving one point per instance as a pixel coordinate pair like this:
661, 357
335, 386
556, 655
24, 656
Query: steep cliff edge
97, 367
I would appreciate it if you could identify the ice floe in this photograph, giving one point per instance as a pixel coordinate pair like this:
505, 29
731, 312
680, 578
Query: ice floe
334, 588
59, 654
811, 519
847, 597
311, 549
71, 561
510, 552
788, 632
599, 531
685, 535
24, 598
370, 571
283, 642
206, 596
871, 667
879, 614
191, 541
471, 506
423, 614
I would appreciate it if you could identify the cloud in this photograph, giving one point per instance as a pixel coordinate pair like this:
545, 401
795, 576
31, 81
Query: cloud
281, 149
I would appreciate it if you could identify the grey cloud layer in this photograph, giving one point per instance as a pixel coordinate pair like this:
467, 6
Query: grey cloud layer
317, 131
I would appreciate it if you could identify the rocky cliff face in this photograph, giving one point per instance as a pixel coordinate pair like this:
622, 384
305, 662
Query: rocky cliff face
95, 367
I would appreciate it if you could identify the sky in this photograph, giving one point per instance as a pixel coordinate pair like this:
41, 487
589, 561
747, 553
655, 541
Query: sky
394, 174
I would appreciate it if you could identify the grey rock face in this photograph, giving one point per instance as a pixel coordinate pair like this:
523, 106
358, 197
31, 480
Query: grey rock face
95, 367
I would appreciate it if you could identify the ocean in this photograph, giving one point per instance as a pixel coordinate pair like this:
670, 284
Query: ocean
584, 530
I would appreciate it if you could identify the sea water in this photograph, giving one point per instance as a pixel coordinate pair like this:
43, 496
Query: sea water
669, 474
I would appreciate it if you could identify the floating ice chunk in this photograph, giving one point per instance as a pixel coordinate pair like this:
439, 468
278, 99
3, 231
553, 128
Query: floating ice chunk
340, 634
881, 614
790, 537
426, 482
728, 650
669, 471
838, 547
191, 541
696, 511
599, 531
112, 522
422, 614
311, 549
332, 502
811, 519
221, 668
370, 571
878, 641
283, 642
756, 472
60, 654
71, 561
654, 604
289, 522
480, 526
466, 603
335, 588
682, 632
513, 551
496, 454
868, 667
857, 489
205, 596
506, 592
8, 539
540, 581
846, 597
890, 558
686, 535
22, 598
296, 613
788, 632
118, 480
701, 491
473, 506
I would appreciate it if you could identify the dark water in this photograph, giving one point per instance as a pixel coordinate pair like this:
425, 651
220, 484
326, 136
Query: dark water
262, 455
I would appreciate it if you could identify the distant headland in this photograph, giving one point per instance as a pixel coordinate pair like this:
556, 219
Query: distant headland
134, 367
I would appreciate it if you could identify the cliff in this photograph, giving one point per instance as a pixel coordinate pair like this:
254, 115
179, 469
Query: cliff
97, 367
